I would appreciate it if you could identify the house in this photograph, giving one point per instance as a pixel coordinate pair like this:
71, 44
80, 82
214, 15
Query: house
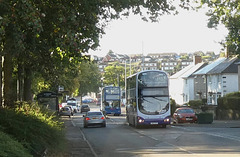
149, 64
169, 65
222, 79
201, 78
181, 86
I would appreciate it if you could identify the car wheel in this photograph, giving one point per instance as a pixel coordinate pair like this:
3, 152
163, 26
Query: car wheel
85, 126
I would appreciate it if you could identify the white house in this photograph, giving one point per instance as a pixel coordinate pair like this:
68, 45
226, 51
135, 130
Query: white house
222, 79
200, 77
181, 86
190, 87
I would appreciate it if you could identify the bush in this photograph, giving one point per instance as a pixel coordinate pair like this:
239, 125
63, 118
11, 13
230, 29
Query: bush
196, 104
33, 126
233, 94
229, 103
173, 105
11, 147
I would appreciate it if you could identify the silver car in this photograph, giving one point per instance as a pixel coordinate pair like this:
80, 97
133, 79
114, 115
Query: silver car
65, 111
94, 118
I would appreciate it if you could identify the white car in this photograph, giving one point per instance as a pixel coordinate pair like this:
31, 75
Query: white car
73, 103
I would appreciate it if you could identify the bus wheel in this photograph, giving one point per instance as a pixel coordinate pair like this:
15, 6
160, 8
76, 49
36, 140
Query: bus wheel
136, 125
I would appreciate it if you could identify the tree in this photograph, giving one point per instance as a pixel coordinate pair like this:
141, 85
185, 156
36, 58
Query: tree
89, 78
114, 75
43, 37
227, 13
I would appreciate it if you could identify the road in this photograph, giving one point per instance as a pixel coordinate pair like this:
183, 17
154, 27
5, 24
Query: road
120, 140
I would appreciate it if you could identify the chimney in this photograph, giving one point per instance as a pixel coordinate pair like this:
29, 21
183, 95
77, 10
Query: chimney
197, 59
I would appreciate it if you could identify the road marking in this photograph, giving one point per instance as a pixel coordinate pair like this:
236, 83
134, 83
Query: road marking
180, 148
229, 137
85, 139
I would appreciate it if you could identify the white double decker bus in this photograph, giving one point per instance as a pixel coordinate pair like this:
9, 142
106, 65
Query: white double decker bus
147, 99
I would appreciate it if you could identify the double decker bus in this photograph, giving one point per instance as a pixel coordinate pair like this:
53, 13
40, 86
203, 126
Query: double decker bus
111, 100
147, 99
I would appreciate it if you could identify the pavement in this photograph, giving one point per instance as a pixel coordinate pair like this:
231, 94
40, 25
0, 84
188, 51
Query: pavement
80, 147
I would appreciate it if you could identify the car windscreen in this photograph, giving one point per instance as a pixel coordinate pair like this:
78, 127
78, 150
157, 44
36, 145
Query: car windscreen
186, 111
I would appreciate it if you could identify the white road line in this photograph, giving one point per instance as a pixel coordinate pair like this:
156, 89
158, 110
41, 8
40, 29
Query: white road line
229, 137
85, 139
180, 148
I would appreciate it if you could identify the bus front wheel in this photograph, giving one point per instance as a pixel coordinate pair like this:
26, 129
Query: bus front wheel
136, 125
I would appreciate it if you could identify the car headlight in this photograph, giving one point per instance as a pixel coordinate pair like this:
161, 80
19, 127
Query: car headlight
180, 116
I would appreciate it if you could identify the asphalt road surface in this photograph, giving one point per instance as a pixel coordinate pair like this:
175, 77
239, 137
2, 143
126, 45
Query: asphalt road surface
120, 140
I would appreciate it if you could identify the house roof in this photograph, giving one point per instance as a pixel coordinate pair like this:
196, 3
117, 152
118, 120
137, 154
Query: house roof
188, 71
227, 66
181, 72
194, 69
209, 67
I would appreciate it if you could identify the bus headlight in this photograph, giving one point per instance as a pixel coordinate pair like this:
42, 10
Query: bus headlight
140, 119
166, 120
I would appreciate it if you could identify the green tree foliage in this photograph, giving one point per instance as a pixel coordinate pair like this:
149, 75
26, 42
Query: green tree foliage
114, 75
226, 12
89, 78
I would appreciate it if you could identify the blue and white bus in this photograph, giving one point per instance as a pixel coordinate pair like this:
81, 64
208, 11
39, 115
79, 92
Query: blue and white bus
147, 99
111, 100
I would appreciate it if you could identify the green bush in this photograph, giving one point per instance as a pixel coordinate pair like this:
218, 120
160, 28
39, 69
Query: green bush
11, 147
195, 104
173, 105
233, 94
33, 126
229, 103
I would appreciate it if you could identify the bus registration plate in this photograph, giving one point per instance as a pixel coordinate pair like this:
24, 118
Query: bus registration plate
154, 123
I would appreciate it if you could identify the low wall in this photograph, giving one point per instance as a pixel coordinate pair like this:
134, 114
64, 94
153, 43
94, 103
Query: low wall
227, 114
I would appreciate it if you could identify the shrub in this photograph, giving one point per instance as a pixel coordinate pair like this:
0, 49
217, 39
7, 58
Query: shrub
195, 104
230, 101
11, 147
233, 94
33, 126
173, 105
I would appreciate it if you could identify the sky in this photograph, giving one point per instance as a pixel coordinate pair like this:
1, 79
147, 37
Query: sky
183, 33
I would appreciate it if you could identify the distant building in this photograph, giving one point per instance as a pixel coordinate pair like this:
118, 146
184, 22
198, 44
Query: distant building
148, 63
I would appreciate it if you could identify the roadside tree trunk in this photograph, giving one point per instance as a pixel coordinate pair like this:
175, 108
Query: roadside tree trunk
28, 85
8, 80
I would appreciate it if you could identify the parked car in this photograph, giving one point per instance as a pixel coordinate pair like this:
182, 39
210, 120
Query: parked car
94, 118
184, 115
72, 102
72, 111
65, 111
85, 108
